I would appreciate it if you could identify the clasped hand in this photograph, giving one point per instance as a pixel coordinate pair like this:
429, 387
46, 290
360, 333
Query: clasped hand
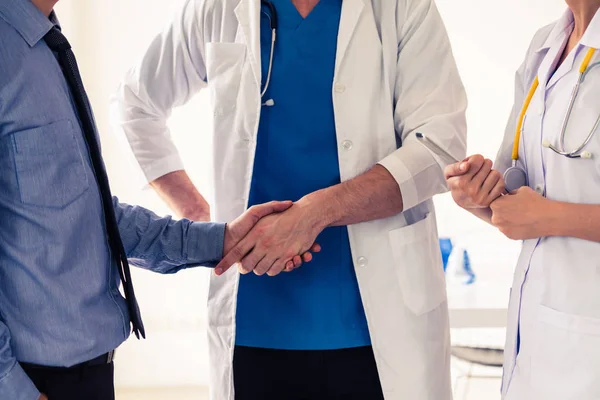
269, 239
519, 215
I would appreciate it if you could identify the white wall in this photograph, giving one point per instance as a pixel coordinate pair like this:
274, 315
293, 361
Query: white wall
489, 39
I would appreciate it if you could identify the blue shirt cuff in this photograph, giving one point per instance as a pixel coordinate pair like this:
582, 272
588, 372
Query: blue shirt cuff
16, 385
205, 243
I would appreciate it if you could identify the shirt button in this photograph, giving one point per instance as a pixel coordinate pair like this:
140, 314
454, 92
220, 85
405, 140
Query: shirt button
362, 262
539, 189
339, 88
347, 144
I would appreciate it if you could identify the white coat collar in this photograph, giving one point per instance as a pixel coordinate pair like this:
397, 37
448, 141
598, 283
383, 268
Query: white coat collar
248, 15
351, 12
591, 37
560, 28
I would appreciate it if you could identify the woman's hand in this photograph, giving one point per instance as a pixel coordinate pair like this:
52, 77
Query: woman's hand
524, 214
473, 183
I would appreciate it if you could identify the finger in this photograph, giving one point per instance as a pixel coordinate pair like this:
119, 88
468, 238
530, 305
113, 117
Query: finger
456, 169
482, 174
276, 268
234, 255
251, 260
297, 262
490, 182
262, 210
315, 248
307, 257
264, 265
290, 265
496, 192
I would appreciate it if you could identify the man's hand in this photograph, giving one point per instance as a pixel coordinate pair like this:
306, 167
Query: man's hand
239, 228
473, 183
524, 214
43, 397
274, 241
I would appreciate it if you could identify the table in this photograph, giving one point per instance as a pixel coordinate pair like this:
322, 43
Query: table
483, 304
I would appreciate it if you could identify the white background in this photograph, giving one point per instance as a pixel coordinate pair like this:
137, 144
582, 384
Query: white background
489, 40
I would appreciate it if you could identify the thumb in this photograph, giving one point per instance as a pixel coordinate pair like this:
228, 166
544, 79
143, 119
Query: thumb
456, 169
262, 210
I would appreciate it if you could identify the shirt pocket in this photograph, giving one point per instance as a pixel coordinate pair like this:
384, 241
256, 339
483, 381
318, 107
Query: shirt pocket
49, 165
224, 66
418, 265
565, 356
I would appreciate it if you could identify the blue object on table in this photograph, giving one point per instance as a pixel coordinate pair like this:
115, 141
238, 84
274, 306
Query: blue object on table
446, 248
467, 268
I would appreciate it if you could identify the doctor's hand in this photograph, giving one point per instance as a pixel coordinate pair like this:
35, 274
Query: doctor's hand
524, 214
273, 245
473, 183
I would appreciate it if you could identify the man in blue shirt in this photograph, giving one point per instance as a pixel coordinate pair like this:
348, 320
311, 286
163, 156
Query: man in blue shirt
64, 240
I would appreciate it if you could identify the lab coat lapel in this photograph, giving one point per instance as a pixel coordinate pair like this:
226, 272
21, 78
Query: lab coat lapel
248, 16
351, 12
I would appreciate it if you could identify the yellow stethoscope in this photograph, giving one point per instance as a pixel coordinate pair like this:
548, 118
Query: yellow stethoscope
516, 176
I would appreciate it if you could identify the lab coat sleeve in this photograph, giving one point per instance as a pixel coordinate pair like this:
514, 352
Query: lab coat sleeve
14, 382
171, 71
164, 245
429, 98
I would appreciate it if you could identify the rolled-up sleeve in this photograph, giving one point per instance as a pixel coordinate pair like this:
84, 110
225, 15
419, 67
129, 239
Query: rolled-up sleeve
430, 99
165, 245
169, 74
14, 382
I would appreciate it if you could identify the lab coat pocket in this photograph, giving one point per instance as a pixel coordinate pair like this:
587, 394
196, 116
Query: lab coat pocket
224, 65
418, 265
564, 363
49, 165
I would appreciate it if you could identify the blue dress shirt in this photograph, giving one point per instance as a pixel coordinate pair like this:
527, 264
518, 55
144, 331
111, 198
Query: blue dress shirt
316, 307
60, 303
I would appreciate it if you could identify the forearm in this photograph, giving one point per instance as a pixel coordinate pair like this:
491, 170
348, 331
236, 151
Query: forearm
370, 196
14, 383
178, 191
164, 245
580, 221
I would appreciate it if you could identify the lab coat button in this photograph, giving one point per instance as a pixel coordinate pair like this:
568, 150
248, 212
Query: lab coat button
362, 262
539, 189
347, 144
339, 88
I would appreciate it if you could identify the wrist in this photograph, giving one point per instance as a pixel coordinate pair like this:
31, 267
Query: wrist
556, 219
316, 207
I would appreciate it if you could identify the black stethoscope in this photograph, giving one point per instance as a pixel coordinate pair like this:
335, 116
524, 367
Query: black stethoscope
272, 16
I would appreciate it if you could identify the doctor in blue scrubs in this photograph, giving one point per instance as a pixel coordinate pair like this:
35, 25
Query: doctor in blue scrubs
329, 355
349, 81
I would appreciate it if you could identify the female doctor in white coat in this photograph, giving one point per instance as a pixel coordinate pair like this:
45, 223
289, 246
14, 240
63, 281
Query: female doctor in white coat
553, 339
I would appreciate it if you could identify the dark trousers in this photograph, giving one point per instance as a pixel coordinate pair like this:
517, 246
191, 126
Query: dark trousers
94, 382
265, 374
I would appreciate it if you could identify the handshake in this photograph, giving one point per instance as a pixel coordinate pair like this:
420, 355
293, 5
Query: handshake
271, 238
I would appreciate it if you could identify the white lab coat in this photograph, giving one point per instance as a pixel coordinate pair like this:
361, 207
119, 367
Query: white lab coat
394, 75
555, 297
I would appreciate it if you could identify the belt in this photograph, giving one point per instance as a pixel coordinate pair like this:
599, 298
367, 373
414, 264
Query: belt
101, 360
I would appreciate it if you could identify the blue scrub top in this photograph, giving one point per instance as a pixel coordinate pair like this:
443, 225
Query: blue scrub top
318, 306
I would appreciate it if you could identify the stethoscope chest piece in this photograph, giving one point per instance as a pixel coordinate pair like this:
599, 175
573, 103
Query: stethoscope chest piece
514, 178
